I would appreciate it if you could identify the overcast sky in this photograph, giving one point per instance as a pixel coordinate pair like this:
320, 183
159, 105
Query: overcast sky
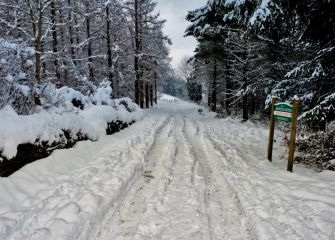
174, 11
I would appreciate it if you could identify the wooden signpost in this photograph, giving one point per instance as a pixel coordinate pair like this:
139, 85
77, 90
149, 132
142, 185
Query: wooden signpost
286, 113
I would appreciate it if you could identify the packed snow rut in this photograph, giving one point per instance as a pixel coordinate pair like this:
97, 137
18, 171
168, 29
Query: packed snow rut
167, 201
226, 216
177, 174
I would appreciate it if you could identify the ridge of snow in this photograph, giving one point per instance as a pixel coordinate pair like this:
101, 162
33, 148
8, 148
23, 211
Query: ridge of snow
47, 125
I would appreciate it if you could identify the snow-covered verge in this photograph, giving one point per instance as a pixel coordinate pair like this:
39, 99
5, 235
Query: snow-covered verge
58, 123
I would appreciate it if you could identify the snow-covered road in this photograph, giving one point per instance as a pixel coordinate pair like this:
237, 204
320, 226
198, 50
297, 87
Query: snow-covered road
181, 193
174, 175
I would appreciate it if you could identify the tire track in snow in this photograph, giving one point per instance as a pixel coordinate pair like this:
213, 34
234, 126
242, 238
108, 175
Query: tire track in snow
171, 167
132, 152
204, 173
273, 225
127, 218
183, 208
225, 214
168, 204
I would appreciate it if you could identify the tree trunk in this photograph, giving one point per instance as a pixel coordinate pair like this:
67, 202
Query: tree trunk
141, 93
77, 32
147, 97
136, 57
245, 116
89, 49
252, 105
37, 30
245, 108
109, 51
209, 99
73, 55
214, 88
224, 100
64, 78
151, 95
38, 45
244, 87
228, 89
37, 61
155, 88
137, 83
54, 40
323, 125
116, 81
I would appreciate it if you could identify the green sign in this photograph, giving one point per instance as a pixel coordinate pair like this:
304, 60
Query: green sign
283, 112
284, 107
283, 119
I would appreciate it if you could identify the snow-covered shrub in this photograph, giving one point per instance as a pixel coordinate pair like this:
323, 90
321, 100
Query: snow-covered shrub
58, 113
5, 92
49, 96
318, 150
103, 94
127, 104
15, 75
67, 97
48, 126
82, 84
15, 61
18, 96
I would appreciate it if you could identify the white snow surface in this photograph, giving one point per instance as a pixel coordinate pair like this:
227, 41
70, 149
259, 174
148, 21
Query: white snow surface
174, 175
168, 98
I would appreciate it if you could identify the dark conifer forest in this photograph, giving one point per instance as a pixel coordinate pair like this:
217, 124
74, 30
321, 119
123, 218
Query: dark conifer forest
251, 51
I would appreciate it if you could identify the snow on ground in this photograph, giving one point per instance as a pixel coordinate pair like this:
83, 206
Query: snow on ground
174, 175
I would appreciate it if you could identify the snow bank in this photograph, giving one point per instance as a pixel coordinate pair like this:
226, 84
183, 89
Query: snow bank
168, 98
48, 125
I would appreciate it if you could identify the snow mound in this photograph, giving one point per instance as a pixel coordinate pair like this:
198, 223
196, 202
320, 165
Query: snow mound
48, 125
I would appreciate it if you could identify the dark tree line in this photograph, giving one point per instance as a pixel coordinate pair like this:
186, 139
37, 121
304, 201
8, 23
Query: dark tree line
251, 51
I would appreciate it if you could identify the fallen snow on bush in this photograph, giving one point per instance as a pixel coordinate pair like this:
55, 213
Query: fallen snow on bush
47, 125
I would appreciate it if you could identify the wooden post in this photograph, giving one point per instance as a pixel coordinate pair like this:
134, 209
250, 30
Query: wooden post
296, 104
272, 130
